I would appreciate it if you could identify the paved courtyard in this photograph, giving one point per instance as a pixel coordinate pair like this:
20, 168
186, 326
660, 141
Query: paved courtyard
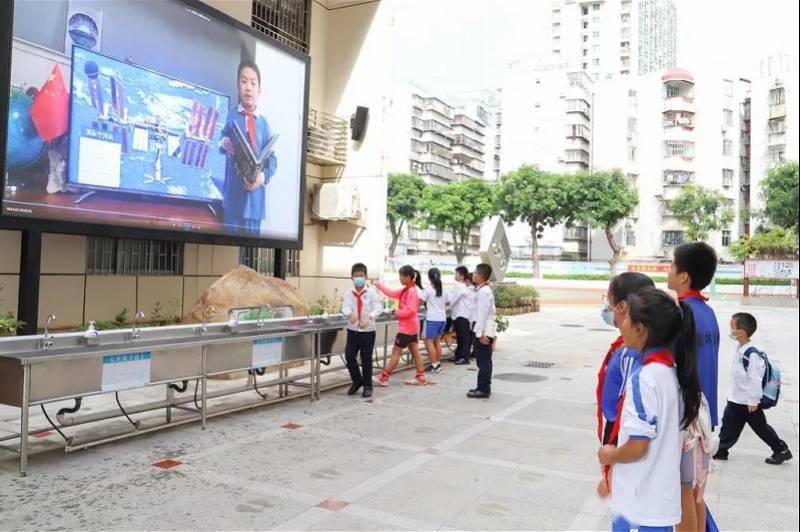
413, 458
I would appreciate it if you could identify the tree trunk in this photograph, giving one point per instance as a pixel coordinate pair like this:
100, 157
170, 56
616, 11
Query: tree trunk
459, 248
534, 222
395, 231
616, 250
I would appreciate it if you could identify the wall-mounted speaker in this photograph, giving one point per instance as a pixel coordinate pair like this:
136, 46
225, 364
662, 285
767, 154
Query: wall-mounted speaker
358, 123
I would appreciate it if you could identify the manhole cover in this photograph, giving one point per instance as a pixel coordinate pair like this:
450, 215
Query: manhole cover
519, 377
539, 364
575, 325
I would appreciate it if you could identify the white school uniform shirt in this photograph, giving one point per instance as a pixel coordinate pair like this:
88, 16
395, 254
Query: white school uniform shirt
746, 384
484, 311
435, 306
460, 300
648, 492
371, 308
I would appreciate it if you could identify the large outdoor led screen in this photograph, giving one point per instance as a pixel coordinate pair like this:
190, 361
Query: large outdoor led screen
158, 115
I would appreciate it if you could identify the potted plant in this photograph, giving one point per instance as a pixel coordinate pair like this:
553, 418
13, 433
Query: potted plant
325, 306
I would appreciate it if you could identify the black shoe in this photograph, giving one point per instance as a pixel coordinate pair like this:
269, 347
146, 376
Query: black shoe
461, 362
478, 394
779, 457
353, 389
367, 393
721, 455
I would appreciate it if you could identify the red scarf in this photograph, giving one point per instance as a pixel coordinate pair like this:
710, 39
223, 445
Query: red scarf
692, 294
601, 377
478, 288
663, 356
359, 301
250, 120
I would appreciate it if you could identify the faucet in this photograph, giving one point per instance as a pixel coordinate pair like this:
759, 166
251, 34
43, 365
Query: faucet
135, 331
47, 341
206, 314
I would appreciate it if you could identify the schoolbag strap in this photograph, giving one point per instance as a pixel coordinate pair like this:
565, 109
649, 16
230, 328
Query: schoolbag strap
746, 356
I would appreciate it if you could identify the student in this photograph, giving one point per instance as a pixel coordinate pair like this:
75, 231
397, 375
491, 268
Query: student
484, 330
662, 397
692, 269
470, 282
244, 204
362, 307
435, 319
744, 398
460, 299
408, 328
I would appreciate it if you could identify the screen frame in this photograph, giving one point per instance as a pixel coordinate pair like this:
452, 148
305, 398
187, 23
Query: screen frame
48, 225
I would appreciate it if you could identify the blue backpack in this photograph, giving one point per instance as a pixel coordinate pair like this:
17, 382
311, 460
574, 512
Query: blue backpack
771, 383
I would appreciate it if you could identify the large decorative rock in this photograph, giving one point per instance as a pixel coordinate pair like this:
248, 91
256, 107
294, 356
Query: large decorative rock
245, 287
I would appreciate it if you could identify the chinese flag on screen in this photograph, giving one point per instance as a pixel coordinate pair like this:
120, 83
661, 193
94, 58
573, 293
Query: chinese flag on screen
50, 110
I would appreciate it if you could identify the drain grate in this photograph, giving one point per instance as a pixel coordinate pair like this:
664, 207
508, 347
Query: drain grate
539, 364
519, 377
574, 325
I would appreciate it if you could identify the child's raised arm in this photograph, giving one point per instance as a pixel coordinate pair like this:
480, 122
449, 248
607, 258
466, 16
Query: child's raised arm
394, 294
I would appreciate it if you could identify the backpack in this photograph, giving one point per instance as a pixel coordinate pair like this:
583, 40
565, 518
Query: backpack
771, 383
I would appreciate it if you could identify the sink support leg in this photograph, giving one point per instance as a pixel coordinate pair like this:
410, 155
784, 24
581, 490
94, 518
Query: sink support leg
204, 390
23, 433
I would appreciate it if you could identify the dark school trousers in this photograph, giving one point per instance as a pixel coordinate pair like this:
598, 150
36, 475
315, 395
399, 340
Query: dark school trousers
483, 358
463, 338
734, 420
360, 343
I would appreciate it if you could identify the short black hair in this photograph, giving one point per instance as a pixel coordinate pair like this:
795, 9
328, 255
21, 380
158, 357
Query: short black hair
699, 260
484, 270
358, 268
746, 322
248, 64
462, 271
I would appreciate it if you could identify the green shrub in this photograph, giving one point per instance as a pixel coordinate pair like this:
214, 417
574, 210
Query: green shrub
510, 296
9, 324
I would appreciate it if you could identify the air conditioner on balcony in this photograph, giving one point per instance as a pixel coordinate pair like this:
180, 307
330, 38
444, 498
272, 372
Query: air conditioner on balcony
336, 201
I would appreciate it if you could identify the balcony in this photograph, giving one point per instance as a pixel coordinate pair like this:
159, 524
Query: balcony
670, 239
579, 234
435, 170
777, 110
682, 119
665, 209
430, 157
777, 125
436, 138
437, 105
677, 178
679, 103
577, 156
326, 139
463, 140
577, 105
436, 127
575, 131
463, 120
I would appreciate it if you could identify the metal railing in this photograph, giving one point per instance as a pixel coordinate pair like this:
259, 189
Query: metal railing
327, 139
284, 20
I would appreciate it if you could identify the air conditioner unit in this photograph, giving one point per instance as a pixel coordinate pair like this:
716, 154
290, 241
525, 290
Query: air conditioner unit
336, 201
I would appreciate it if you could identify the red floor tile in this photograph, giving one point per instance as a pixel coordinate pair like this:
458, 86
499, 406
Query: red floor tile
333, 505
167, 464
291, 426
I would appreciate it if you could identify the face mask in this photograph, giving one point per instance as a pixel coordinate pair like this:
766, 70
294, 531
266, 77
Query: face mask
607, 315
359, 282
732, 335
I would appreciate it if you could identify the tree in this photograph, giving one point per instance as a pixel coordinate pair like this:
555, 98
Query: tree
700, 211
778, 243
402, 203
604, 199
457, 208
539, 198
779, 192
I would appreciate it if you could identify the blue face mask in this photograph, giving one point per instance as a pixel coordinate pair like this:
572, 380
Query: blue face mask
607, 316
359, 282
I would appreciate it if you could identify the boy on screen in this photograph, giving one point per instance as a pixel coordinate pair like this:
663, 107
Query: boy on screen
243, 202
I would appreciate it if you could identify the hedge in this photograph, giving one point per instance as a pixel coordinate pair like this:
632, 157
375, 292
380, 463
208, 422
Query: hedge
512, 296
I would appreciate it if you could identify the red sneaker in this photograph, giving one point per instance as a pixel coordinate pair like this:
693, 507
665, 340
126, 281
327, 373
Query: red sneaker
419, 380
383, 379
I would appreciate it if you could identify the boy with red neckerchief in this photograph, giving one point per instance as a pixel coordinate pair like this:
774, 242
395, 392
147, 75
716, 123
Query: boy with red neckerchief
693, 267
485, 331
361, 307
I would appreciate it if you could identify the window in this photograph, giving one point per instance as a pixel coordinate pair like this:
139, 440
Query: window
585, 38
630, 237
585, 66
672, 238
631, 153
726, 238
727, 177
261, 260
585, 10
625, 17
777, 125
777, 96
678, 148
727, 147
596, 62
727, 87
585, 25
631, 124
596, 34
596, 49
595, 7
625, 35
727, 117
671, 91
677, 177
777, 153
293, 263
596, 20
585, 52
124, 256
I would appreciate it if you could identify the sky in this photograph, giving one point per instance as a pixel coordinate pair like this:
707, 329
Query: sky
448, 45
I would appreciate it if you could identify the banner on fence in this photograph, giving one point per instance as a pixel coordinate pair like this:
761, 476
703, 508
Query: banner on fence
771, 269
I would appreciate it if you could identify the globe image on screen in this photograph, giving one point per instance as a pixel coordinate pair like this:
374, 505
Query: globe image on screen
24, 144
83, 30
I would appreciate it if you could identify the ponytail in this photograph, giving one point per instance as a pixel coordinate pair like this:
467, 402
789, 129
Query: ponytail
686, 363
435, 277
418, 278
670, 324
